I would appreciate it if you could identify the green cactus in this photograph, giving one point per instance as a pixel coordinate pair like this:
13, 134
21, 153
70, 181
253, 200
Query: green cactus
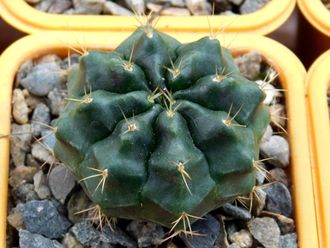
161, 131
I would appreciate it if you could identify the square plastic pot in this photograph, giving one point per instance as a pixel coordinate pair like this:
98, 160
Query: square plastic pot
291, 75
29, 20
318, 80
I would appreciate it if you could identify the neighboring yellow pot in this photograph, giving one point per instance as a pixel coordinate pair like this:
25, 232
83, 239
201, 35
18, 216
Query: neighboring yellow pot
291, 74
318, 80
24, 17
317, 14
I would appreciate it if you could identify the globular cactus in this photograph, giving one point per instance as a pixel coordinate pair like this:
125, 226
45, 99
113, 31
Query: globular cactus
161, 131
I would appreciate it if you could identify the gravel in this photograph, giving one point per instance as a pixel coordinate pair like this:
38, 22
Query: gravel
46, 200
128, 7
43, 218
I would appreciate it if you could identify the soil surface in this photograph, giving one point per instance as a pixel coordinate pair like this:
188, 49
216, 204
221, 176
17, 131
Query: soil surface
48, 208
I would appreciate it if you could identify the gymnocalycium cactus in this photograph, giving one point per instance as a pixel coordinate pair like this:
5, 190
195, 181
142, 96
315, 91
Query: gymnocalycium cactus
161, 131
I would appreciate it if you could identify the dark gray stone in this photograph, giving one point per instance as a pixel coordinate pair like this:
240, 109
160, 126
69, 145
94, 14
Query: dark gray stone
209, 228
117, 238
61, 182
278, 149
250, 6
236, 212
24, 193
146, 233
94, 7
278, 199
43, 78
31, 240
59, 6
40, 119
85, 233
288, 241
266, 231
43, 218
279, 175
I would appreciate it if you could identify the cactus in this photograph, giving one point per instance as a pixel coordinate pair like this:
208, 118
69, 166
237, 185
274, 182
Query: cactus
161, 131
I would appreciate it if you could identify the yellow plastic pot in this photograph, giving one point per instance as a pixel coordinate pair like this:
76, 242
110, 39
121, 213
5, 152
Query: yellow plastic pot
29, 20
317, 14
318, 80
291, 73
314, 30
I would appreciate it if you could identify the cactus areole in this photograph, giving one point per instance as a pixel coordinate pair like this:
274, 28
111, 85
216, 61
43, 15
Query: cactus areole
161, 131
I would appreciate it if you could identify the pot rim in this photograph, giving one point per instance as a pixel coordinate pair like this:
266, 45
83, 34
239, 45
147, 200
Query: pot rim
18, 13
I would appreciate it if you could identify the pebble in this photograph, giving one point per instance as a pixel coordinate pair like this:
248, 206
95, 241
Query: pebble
146, 233
236, 212
250, 6
221, 241
269, 90
44, 5
279, 175
115, 9
48, 139
268, 134
43, 218
266, 231
249, 64
20, 143
49, 58
21, 175
137, 6
91, 7
42, 153
277, 113
117, 238
171, 11
209, 226
278, 149
286, 224
288, 241
199, 7
176, 3
24, 193
242, 238
31, 100
61, 182
260, 176
69, 241
259, 201
40, 118
77, 202
85, 233
40, 185
32, 240
43, 78
236, 2
59, 6
57, 100
278, 199
234, 246
20, 108
15, 219
23, 71
68, 63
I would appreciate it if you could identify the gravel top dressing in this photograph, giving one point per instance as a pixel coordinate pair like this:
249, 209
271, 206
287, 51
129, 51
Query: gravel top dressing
48, 208
128, 7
